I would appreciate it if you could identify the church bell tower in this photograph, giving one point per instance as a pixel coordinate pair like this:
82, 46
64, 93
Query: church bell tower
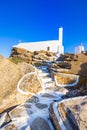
61, 35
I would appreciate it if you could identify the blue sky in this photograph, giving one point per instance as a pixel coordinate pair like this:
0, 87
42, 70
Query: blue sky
37, 20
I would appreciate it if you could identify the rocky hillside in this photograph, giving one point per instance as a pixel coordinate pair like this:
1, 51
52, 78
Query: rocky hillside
20, 55
10, 74
76, 64
31, 94
72, 64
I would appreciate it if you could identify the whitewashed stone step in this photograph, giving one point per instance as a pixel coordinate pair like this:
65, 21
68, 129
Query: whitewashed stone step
49, 84
43, 74
39, 71
41, 123
45, 80
43, 67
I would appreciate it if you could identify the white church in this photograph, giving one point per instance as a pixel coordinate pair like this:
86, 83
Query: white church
52, 45
79, 49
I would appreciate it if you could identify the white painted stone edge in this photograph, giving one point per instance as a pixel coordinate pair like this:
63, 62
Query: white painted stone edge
18, 85
68, 85
55, 108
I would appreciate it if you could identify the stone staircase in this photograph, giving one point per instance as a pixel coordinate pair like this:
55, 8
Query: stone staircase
45, 78
34, 113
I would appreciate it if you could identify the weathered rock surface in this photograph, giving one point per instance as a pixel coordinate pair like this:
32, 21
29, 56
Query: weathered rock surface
4, 118
54, 118
66, 80
20, 55
25, 68
67, 57
30, 83
40, 124
9, 76
32, 115
73, 64
77, 64
80, 89
73, 57
70, 114
79, 68
13, 99
59, 65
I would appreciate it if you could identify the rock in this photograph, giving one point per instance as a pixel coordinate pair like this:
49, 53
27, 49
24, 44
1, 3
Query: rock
30, 84
40, 124
63, 90
20, 55
9, 76
22, 111
59, 65
18, 51
83, 118
10, 127
70, 114
81, 57
66, 80
79, 68
67, 57
33, 99
54, 118
4, 119
11, 73
25, 68
44, 57
48, 95
13, 99
80, 89
33, 114
41, 106
78, 63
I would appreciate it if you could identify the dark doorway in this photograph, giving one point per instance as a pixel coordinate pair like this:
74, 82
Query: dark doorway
48, 48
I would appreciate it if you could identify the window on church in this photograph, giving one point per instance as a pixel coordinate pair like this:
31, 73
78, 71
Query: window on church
48, 48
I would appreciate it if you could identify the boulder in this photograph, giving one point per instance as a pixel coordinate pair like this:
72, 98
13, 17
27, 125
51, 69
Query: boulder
4, 118
79, 68
10, 74
20, 55
25, 68
18, 51
54, 118
80, 89
30, 83
70, 114
59, 65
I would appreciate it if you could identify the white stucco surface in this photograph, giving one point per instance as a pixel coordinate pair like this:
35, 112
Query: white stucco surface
53, 45
79, 49
42, 45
